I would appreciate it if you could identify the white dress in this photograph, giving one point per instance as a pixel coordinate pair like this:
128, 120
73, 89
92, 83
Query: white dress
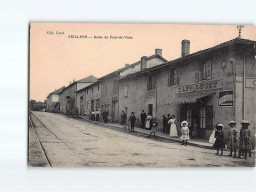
147, 126
173, 128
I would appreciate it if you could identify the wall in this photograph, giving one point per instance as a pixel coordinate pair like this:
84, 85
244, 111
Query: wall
110, 98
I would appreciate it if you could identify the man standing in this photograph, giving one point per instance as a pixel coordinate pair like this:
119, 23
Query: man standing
143, 117
105, 116
132, 120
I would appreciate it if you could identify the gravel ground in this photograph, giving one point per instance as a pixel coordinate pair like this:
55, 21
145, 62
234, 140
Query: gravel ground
77, 143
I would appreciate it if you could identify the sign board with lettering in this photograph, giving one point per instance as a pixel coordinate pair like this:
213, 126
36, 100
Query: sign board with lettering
250, 82
225, 98
202, 86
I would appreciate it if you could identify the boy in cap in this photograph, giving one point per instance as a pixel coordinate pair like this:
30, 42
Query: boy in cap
132, 120
233, 141
184, 133
244, 142
219, 135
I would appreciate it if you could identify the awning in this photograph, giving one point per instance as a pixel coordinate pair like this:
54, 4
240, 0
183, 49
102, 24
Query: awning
192, 97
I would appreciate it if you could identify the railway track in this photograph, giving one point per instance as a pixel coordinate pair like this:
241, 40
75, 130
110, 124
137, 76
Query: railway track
51, 133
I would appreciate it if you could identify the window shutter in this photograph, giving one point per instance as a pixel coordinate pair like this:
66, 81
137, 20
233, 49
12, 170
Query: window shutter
197, 74
153, 82
169, 77
209, 69
174, 76
178, 76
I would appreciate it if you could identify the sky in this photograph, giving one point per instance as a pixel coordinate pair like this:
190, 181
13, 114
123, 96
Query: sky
57, 59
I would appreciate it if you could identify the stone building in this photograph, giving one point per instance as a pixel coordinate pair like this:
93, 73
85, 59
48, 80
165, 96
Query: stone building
53, 104
133, 96
109, 95
68, 99
210, 86
88, 99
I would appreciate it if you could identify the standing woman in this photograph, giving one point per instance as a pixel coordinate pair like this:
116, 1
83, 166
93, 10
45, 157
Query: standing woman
148, 122
173, 128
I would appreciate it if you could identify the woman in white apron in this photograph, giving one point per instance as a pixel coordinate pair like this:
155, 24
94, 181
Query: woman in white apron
148, 122
173, 128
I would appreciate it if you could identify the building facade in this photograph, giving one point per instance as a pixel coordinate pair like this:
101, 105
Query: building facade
52, 102
88, 99
68, 99
137, 85
208, 87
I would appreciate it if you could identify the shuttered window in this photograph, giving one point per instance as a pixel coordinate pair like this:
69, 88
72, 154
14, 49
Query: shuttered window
151, 84
204, 71
173, 77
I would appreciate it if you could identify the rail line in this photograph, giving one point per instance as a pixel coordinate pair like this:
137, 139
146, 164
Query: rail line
41, 146
86, 162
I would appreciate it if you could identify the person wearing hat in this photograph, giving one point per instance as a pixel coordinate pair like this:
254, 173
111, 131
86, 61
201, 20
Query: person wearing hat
184, 133
132, 120
233, 141
244, 141
219, 135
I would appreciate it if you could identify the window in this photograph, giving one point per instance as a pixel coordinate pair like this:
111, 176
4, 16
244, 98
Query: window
98, 87
115, 87
87, 91
97, 104
92, 89
204, 71
126, 91
151, 82
92, 104
172, 77
106, 90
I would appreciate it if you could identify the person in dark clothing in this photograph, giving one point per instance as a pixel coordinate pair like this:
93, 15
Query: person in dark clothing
168, 124
105, 116
245, 145
132, 120
143, 117
123, 119
219, 135
165, 124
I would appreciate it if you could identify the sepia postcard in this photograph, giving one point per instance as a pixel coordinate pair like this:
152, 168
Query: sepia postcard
141, 95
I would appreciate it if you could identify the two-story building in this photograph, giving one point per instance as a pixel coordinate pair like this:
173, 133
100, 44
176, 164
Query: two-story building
133, 96
88, 99
211, 86
53, 104
68, 99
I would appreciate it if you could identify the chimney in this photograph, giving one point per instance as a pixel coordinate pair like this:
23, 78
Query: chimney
185, 47
158, 51
126, 65
143, 62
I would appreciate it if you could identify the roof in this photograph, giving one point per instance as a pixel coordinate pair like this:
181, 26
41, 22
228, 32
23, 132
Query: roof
58, 91
148, 58
196, 54
89, 79
88, 86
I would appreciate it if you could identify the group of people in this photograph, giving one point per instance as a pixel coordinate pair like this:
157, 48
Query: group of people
95, 115
236, 142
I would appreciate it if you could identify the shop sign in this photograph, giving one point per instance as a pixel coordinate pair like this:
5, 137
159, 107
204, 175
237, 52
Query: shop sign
199, 87
250, 82
225, 98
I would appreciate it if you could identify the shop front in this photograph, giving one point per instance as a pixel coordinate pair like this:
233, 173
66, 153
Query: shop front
196, 105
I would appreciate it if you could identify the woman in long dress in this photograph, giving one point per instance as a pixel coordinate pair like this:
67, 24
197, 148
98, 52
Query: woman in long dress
148, 122
173, 128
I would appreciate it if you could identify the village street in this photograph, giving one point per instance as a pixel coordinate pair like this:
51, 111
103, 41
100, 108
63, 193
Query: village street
70, 142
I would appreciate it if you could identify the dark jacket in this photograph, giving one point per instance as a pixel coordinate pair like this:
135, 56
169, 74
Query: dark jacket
132, 119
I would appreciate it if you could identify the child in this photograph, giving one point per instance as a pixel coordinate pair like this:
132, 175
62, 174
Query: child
232, 142
153, 129
132, 120
184, 132
244, 142
219, 135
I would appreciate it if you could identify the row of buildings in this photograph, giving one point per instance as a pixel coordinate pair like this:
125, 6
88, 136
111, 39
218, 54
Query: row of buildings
217, 84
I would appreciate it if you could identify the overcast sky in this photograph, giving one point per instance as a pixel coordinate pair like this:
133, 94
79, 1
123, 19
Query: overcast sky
55, 60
